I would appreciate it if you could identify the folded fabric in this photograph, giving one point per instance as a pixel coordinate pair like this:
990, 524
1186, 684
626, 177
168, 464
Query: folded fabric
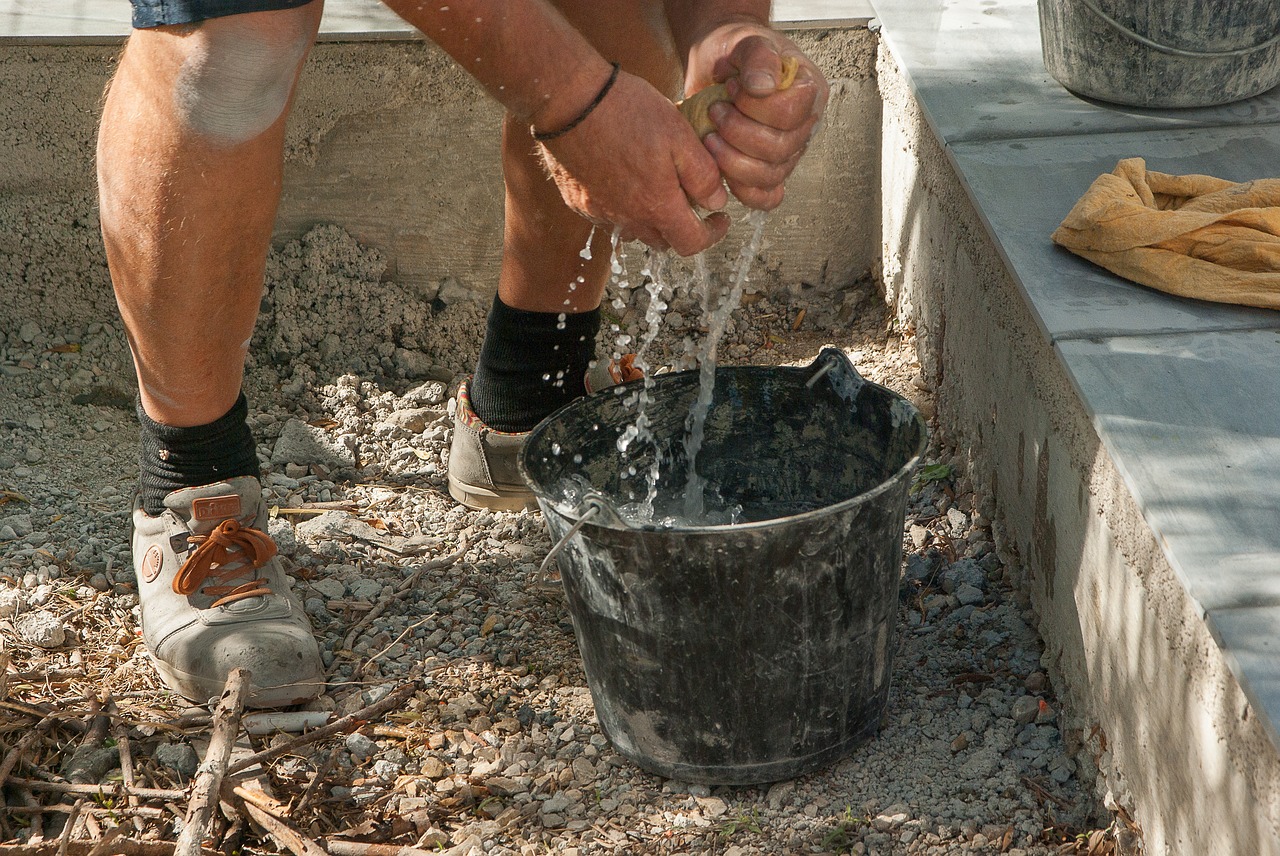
1189, 235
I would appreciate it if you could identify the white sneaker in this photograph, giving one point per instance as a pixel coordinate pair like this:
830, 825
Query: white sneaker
214, 597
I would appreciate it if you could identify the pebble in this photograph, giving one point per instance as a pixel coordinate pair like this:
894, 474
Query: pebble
11, 602
42, 629
361, 746
181, 758
1025, 710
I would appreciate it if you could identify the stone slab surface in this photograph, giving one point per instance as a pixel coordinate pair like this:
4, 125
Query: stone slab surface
1251, 640
1023, 189
1193, 422
95, 19
977, 67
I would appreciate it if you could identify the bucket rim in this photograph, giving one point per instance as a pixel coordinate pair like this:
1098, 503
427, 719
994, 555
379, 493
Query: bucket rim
612, 522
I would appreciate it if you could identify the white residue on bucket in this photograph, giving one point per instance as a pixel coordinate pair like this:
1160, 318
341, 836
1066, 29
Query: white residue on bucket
901, 412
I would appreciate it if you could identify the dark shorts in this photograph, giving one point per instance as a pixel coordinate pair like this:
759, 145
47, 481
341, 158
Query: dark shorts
155, 13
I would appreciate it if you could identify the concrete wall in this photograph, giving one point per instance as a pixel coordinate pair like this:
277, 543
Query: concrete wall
1157, 708
392, 143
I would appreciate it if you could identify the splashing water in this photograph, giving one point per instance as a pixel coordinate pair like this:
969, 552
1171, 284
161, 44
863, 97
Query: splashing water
699, 503
717, 321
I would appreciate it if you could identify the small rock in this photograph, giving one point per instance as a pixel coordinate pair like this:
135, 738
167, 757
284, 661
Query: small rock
1036, 682
361, 746
503, 786
415, 419
330, 587
429, 394
179, 758
1025, 710
281, 531
960, 744
20, 524
919, 535
413, 363
969, 595
433, 768
11, 601
42, 629
385, 770
29, 331
964, 572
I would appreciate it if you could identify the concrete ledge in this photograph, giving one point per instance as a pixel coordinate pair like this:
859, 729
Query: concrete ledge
1032, 356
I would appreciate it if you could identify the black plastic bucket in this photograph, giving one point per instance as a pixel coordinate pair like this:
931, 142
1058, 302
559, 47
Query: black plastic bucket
1162, 53
743, 653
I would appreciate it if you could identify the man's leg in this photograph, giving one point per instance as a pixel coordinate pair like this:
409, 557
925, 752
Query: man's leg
189, 168
533, 360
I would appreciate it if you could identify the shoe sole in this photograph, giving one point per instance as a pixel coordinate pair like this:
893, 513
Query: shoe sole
491, 498
199, 690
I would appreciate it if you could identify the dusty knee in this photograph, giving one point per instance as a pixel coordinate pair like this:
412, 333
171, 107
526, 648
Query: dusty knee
239, 73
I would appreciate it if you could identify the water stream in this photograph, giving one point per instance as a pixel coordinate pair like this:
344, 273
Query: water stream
698, 503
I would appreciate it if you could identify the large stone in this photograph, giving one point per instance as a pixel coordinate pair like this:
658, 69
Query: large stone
301, 443
42, 629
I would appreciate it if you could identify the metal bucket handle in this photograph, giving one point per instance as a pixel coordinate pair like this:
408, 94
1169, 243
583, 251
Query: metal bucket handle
1093, 7
590, 506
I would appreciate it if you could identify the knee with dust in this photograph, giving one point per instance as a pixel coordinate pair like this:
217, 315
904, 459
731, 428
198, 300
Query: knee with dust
236, 81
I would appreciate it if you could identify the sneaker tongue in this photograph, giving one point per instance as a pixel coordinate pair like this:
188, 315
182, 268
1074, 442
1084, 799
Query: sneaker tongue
203, 508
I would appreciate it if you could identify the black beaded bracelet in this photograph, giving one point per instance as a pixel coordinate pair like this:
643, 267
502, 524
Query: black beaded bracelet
544, 136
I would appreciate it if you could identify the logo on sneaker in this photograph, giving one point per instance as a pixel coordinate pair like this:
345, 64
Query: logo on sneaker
151, 563
215, 507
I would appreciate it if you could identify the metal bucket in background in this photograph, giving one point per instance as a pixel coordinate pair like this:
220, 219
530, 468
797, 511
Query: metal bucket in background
1162, 53
743, 653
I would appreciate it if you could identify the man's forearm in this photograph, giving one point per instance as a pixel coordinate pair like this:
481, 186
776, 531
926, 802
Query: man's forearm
692, 20
533, 61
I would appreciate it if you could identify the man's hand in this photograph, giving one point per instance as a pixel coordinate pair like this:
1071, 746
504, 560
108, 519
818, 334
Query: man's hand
763, 132
636, 163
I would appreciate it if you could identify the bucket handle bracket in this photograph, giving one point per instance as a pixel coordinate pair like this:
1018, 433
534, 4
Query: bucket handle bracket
590, 507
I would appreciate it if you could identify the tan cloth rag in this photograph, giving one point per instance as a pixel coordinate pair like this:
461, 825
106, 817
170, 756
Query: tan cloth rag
1190, 235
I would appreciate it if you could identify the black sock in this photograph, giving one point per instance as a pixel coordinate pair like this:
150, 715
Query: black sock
531, 363
174, 458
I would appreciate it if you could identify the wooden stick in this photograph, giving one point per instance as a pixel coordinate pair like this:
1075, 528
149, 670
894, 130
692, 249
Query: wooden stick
348, 723
103, 847
89, 810
98, 790
121, 735
283, 834
342, 847
208, 780
119, 847
64, 840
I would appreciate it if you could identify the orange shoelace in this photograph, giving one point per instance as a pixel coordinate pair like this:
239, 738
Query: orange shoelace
624, 370
229, 551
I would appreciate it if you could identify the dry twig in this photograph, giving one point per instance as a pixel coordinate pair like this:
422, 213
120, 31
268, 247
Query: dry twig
208, 780
283, 834
347, 723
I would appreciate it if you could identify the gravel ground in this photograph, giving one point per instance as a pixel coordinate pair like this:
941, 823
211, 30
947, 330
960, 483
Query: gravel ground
498, 751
